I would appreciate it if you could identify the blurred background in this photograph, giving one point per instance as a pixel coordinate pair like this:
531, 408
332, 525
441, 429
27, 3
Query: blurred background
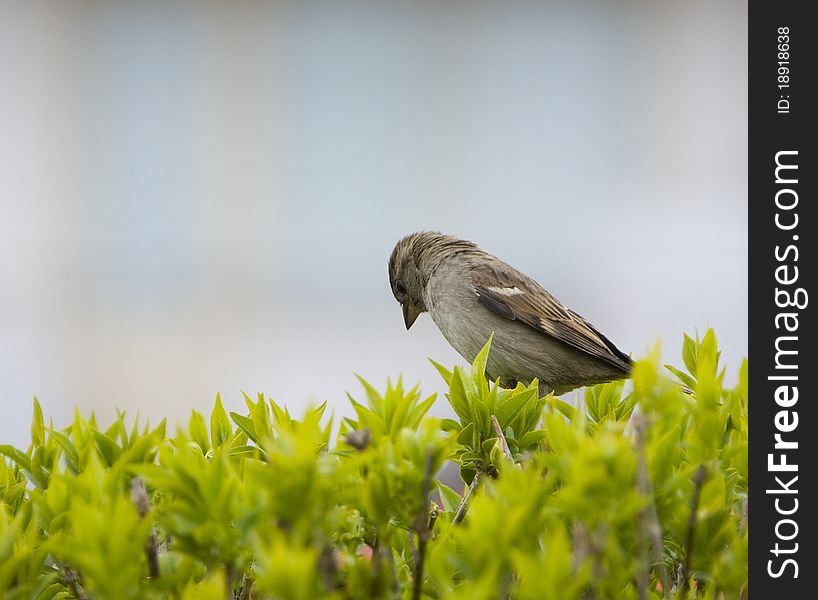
202, 197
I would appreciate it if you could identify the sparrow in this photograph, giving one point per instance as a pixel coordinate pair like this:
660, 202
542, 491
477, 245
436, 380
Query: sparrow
472, 295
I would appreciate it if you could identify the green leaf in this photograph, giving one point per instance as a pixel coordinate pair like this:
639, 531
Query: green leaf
160, 430
450, 425
478, 370
242, 450
249, 401
488, 444
467, 472
532, 438
708, 350
664, 455
481, 416
569, 411
281, 416
444, 372
373, 398
22, 461
72, 459
592, 403
497, 457
37, 427
458, 398
198, 431
419, 411
449, 498
690, 349
624, 409
246, 425
37, 467
107, 447
220, 429
466, 435
532, 413
262, 426
513, 404
368, 419
683, 377
559, 526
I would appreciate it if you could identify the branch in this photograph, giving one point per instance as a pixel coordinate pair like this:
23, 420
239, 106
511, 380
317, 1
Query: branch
423, 527
139, 496
744, 511
229, 580
246, 588
648, 519
499, 431
393, 572
698, 482
433, 515
72, 580
327, 567
375, 565
585, 548
464, 502
358, 439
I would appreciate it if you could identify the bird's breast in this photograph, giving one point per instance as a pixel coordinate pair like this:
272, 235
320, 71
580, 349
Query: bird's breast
453, 307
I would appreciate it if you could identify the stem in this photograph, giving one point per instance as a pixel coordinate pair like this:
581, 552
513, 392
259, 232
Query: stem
744, 512
151, 550
72, 580
698, 481
229, 579
433, 515
499, 431
587, 549
327, 567
246, 588
648, 518
375, 588
423, 529
393, 572
139, 496
358, 439
464, 502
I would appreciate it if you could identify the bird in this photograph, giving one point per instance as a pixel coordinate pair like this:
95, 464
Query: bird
473, 296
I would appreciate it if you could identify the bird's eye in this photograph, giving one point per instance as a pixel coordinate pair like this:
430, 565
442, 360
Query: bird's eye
400, 288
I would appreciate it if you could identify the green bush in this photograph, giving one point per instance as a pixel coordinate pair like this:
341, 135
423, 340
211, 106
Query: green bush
634, 496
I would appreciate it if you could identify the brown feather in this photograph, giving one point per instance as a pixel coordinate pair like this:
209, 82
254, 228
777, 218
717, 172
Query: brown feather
531, 304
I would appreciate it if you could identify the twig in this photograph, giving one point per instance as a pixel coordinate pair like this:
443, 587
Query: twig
744, 513
586, 548
358, 439
422, 528
580, 551
246, 592
433, 515
499, 431
72, 580
393, 571
464, 502
229, 580
139, 496
327, 567
648, 519
375, 563
698, 481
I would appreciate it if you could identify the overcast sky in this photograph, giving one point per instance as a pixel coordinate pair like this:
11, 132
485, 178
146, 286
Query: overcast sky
200, 199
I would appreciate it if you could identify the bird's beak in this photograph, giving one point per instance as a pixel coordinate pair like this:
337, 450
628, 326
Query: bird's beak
410, 314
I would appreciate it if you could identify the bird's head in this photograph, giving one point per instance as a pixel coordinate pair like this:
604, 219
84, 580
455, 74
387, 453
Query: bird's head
406, 279
413, 261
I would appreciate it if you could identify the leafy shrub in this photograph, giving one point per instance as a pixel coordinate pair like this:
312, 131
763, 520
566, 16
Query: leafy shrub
639, 495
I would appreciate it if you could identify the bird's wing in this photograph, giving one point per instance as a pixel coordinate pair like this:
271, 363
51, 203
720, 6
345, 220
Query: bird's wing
510, 294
